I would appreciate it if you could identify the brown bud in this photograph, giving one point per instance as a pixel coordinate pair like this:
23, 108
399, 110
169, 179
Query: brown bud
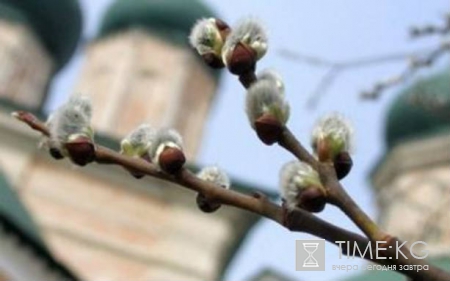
312, 199
242, 60
213, 61
171, 160
55, 153
81, 151
224, 28
342, 164
206, 205
268, 129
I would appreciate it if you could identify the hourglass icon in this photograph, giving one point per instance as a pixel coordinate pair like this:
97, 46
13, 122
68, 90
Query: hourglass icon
310, 261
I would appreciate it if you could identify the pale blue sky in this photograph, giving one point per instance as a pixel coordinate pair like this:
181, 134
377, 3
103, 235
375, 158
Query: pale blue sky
337, 30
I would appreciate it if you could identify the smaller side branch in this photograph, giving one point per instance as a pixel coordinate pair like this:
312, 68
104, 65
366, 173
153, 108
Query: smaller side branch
417, 60
416, 63
338, 196
289, 142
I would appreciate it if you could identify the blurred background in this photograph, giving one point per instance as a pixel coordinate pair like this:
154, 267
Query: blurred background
382, 64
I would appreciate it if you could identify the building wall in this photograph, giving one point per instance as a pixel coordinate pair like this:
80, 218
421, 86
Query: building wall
101, 222
25, 67
106, 225
134, 77
413, 187
18, 262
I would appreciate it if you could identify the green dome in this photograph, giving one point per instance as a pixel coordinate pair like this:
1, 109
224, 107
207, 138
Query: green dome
58, 23
421, 110
12, 209
172, 19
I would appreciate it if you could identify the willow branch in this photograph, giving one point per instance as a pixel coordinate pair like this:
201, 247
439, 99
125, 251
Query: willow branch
289, 142
295, 220
338, 196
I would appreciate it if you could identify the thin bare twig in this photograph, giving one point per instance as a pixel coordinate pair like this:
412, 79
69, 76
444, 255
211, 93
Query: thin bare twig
417, 60
415, 64
336, 68
431, 29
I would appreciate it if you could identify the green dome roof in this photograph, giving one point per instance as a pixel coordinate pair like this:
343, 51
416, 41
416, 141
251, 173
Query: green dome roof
421, 110
172, 19
15, 220
12, 209
58, 23
169, 19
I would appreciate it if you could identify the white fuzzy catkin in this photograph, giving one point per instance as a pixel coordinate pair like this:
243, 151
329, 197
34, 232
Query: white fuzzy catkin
214, 175
72, 118
249, 32
205, 37
264, 96
164, 138
295, 176
138, 142
272, 75
336, 128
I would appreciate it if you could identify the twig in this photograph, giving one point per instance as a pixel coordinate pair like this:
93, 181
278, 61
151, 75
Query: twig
325, 82
295, 220
338, 196
291, 144
415, 64
336, 68
430, 29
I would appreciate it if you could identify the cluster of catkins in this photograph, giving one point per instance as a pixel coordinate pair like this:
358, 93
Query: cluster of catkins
239, 49
300, 183
71, 135
162, 147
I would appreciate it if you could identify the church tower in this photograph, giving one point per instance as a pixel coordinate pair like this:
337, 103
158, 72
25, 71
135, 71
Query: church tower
37, 39
412, 182
141, 69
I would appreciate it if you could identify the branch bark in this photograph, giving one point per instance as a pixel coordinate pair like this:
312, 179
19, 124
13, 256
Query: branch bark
337, 196
295, 220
